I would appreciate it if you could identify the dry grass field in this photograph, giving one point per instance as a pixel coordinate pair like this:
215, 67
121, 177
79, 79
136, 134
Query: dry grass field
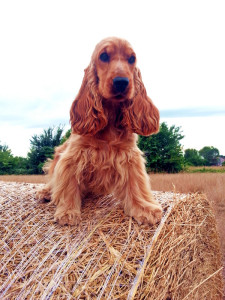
23, 178
212, 184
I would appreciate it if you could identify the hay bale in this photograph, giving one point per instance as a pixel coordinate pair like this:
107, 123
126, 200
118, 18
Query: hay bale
109, 256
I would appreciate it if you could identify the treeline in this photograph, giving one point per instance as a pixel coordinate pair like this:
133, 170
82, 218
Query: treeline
163, 151
41, 148
207, 156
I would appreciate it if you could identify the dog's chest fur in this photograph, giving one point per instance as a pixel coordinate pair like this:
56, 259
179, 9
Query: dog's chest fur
99, 166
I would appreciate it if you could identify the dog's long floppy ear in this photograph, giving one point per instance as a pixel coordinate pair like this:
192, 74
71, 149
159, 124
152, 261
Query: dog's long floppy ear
141, 115
86, 114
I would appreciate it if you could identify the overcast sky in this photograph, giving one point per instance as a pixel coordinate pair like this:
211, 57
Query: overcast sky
45, 46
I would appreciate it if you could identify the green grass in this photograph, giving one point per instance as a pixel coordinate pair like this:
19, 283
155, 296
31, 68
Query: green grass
206, 170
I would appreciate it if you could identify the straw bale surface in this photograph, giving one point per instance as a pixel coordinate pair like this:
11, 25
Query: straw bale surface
108, 256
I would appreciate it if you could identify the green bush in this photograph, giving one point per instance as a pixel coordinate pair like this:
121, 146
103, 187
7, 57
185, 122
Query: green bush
163, 150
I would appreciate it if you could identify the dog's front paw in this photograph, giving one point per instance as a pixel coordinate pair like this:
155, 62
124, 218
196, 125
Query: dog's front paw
148, 215
43, 194
69, 217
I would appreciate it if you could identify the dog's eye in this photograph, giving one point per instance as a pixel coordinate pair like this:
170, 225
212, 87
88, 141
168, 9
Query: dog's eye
131, 59
104, 57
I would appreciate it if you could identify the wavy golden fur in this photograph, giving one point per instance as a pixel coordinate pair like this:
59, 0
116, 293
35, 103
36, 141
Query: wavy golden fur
101, 155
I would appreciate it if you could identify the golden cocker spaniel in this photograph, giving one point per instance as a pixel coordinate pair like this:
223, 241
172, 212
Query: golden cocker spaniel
101, 155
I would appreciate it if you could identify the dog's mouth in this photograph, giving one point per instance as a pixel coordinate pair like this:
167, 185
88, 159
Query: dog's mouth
120, 97
117, 97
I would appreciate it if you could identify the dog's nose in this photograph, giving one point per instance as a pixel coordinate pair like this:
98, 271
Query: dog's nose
120, 84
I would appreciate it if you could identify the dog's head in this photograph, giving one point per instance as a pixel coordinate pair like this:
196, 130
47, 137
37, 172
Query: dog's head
115, 65
112, 76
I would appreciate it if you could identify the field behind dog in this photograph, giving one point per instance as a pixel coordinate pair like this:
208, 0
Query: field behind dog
212, 184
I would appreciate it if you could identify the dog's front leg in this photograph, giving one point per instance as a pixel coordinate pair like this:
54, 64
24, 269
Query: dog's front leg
66, 193
136, 195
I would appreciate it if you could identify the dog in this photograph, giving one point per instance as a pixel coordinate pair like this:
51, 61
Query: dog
101, 155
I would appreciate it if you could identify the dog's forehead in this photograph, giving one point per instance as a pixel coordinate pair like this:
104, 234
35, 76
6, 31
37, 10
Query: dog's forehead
113, 45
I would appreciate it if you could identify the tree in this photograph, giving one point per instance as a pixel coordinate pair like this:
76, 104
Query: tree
42, 147
210, 155
4, 148
20, 165
66, 136
6, 160
193, 158
10, 164
163, 150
